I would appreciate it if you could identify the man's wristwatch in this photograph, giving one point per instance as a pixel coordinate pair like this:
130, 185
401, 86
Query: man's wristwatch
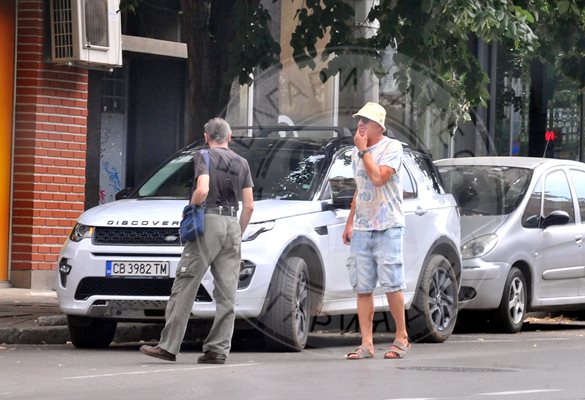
361, 153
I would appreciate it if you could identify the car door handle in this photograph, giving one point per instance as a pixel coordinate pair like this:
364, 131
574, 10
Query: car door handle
420, 211
579, 239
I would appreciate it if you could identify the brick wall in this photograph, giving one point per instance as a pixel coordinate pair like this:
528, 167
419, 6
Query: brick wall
49, 152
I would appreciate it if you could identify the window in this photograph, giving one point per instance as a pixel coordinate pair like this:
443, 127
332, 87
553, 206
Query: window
173, 180
557, 195
429, 171
408, 188
341, 180
486, 189
282, 169
578, 178
531, 216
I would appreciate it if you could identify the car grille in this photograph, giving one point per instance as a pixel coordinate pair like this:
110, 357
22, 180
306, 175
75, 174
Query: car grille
142, 236
97, 286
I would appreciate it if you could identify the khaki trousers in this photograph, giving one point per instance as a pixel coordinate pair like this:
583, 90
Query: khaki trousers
219, 247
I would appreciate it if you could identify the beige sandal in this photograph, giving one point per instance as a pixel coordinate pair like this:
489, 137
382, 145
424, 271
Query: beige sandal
359, 354
397, 351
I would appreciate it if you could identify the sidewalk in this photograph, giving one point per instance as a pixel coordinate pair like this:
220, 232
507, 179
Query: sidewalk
33, 317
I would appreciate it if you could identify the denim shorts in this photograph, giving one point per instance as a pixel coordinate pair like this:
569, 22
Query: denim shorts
376, 256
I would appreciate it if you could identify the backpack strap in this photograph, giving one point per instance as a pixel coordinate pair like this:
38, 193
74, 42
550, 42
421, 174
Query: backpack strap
205, 154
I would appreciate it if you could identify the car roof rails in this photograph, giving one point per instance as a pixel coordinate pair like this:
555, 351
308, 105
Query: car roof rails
309, 131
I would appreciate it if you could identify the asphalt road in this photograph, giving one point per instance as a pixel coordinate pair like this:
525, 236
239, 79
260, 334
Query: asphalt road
542, 362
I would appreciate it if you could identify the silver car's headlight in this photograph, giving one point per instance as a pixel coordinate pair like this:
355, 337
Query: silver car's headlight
80, 232
253, 230
479, 246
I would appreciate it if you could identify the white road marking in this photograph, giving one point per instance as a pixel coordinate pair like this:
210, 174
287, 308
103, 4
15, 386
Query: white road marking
511, 393
481, 340
415, 398
157, 371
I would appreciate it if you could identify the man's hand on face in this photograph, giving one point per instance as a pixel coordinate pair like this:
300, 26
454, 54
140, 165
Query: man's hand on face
361, 138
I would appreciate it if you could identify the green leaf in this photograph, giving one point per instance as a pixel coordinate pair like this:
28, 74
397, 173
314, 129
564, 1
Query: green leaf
563, 6
524, 14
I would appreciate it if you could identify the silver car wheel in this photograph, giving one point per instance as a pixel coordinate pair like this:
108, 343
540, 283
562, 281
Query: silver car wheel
516, 298
513, 306
302, 305
286, 321
432, 316
441, 299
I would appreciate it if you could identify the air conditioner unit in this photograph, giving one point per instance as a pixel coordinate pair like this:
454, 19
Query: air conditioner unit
86, 33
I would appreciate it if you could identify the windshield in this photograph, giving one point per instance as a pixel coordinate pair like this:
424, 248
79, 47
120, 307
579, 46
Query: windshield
283, 169
486, 190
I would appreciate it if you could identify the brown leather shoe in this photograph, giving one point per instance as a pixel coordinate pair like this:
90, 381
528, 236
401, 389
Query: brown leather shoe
211, 357
157, 352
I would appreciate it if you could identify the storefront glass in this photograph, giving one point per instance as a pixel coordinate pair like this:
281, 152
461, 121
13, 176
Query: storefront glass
512, 106
564, 120
420, 123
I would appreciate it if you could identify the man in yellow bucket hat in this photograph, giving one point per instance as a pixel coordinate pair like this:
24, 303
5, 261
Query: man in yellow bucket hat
375, 229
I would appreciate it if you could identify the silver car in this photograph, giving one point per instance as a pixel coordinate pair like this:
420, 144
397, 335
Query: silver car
522, 230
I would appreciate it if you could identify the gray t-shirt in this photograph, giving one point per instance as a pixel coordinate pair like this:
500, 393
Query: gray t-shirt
229, 174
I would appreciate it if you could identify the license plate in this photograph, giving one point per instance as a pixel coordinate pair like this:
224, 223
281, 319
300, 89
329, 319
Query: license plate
138, 268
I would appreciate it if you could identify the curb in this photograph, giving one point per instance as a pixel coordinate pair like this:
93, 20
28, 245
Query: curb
53, 330
36, 335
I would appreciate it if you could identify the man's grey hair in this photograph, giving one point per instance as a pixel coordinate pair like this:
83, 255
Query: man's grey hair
217, 130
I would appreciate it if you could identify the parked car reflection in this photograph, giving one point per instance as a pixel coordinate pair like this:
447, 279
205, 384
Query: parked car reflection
522, 230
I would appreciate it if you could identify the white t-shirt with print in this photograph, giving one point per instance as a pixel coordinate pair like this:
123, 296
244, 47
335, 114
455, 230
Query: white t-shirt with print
379, 208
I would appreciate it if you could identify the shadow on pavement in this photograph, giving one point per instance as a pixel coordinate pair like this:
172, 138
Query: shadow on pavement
483, 322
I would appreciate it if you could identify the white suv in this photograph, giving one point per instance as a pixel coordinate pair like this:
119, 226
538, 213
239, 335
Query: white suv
119, 261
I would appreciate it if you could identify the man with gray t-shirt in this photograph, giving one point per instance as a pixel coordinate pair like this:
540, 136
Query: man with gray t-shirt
220, 187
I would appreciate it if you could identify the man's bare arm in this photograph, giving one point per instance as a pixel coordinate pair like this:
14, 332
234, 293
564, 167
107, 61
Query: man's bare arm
247, 207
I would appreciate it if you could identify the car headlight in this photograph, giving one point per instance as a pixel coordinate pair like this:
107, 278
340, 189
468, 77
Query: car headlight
253, 230
479, 246
80, 232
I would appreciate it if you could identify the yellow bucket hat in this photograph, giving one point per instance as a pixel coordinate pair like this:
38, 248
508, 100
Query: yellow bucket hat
373, 111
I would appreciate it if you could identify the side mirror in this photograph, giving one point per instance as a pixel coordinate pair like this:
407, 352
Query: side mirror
532, 221
556, 217
123, 194
343, 202
342, 191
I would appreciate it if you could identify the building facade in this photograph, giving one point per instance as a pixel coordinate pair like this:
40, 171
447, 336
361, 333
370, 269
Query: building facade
73, 135
47, 136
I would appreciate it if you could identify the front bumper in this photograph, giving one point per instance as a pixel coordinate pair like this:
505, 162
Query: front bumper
482, 284
87, 262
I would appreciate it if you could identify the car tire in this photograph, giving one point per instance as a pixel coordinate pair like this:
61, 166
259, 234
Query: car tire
512, 310
287, 317
90, 333
433, 313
